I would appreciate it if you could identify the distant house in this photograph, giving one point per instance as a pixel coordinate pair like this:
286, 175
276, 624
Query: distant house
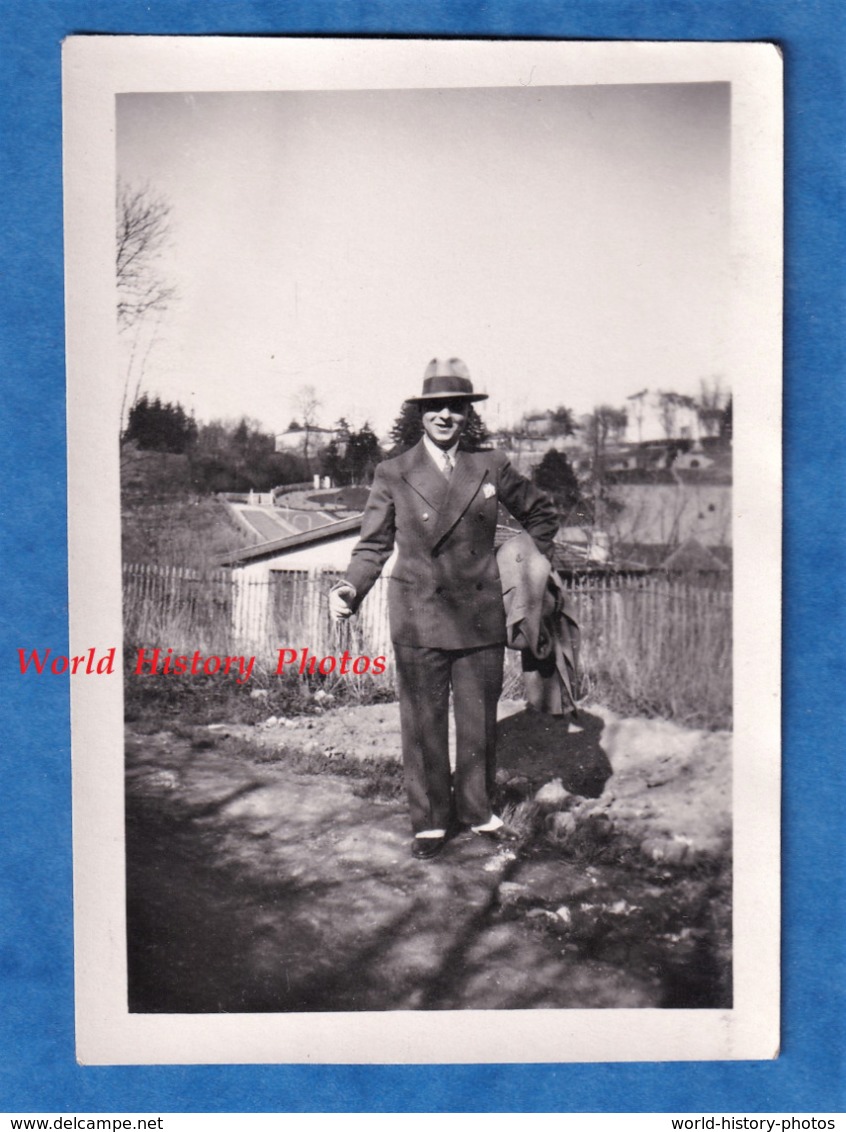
539, 424
696, 458
655, 415
295, 439
325, 548
525, 451
621, 460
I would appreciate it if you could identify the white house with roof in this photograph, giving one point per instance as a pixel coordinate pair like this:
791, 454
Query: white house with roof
657, 415
280, 590
313, 436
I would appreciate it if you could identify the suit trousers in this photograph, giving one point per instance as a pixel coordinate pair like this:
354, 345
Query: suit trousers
424, 678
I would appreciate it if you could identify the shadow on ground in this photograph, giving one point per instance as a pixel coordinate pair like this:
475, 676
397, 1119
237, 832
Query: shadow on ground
254, 887
539, 747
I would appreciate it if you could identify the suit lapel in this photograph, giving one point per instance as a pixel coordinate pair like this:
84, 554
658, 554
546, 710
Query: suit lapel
422, 475
462, 486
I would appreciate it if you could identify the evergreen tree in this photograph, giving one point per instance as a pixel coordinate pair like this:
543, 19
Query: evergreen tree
333, 464
563, 422
555, 475
475, 436
238, 456
727, 423
408, 428
160, 427
351, 456
362, 455
333, 458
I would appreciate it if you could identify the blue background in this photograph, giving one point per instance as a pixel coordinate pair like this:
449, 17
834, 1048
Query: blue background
38, 1071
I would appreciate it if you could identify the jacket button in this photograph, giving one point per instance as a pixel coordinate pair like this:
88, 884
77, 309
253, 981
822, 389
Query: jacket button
438, 590
478, 585
425, 516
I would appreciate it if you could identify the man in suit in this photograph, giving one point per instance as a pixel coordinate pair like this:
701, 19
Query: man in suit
438, 504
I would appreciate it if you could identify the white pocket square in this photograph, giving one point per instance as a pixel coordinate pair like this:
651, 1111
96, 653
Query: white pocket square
488, 490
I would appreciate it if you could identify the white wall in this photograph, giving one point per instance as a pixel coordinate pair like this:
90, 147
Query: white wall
251, 618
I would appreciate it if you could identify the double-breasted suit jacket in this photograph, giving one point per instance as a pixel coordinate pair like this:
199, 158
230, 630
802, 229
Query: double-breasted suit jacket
444, 590
447, 616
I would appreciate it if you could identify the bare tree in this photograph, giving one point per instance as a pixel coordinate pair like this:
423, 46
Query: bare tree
307, 403
605, 424
638, 410
669, 406
710, 405
142, 232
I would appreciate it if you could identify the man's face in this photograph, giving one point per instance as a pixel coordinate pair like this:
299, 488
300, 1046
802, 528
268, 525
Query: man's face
444, 421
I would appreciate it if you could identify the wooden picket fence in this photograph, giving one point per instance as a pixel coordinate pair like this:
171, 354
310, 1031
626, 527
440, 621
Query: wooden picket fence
649, 642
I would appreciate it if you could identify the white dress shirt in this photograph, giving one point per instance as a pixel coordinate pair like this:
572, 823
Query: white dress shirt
438, 454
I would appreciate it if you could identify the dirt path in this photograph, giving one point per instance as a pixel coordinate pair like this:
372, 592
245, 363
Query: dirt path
255, 886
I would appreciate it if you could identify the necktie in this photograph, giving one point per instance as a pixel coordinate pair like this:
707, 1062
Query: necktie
448, 465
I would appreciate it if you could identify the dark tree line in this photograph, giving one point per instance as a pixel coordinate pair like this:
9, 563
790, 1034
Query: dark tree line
239, 456
352, 455
160, 426
221, 456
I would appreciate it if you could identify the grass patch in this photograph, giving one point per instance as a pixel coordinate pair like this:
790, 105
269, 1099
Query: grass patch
220, 699
661, 651
210, 699
179, 532
689, 697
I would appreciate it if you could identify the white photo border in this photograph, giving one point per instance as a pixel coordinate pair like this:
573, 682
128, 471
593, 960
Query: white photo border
96, 69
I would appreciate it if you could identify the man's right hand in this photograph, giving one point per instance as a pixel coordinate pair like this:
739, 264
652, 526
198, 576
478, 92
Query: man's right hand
340, 597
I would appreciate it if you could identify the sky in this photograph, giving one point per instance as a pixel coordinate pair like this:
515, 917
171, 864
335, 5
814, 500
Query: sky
570, 244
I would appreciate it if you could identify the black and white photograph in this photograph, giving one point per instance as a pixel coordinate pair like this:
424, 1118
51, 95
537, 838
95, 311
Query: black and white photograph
424, 526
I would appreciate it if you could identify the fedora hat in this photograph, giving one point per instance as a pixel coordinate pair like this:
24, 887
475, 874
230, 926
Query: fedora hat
447, 378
